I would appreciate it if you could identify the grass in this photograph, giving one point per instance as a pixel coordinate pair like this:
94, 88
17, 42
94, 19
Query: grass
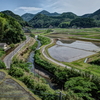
92, 33
12, 89
22, 51
79, 64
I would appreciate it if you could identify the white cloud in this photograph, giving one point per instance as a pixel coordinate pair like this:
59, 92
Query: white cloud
28, 9
78, 7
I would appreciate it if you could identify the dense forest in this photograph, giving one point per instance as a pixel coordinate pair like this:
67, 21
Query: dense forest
44, 19
10, 30
17, 17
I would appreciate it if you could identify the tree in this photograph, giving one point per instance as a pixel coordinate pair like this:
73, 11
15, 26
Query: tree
83, 22
64, 25
10, 30
16, 72
82, 87
2, 65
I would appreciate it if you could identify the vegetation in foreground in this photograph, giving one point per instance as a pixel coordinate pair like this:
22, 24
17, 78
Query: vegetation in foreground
2, 52
81, 83
85, 87
12, 89
37, 85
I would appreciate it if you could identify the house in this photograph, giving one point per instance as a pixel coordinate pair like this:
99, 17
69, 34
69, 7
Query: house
3, 46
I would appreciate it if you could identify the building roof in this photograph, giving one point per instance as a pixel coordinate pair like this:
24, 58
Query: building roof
2, 44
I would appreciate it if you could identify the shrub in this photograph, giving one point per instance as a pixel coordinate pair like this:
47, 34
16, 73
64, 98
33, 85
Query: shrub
16, 72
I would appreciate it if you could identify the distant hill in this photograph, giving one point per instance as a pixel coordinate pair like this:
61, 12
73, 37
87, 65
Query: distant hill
69, 15
27, 16
48, 13
17, 17
95, 15
85, 15
55, 19
10, 13
40, 21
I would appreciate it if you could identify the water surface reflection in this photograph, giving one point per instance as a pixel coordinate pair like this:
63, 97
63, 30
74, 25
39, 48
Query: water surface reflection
70, 52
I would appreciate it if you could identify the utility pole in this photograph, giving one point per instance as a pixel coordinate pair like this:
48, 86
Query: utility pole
60, 96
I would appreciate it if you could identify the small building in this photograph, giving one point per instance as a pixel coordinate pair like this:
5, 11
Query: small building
3, 46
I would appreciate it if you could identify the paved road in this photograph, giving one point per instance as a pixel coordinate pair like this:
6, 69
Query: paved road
7, 60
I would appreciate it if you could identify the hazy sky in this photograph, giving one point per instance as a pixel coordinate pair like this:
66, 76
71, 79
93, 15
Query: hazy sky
78, 7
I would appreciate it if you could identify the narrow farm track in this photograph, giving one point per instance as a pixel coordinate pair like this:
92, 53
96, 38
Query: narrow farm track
58, 63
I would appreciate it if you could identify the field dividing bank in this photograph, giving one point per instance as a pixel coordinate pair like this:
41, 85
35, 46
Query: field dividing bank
88, 34
79, 64
25, 51
48, 58
13, 89
92, 33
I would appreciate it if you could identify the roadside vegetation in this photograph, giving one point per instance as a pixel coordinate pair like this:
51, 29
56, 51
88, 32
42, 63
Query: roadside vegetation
2, 52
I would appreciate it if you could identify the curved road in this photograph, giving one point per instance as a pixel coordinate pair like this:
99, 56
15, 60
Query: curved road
58, 63
7, 60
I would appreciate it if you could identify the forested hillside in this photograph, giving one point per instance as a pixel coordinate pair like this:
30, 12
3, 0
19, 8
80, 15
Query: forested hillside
45, 19
10, 30
17, 17
27, 16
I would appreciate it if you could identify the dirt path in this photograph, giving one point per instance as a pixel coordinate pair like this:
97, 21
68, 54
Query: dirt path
43, 52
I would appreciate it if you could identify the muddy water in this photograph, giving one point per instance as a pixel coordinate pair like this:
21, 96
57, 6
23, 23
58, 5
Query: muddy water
71, 51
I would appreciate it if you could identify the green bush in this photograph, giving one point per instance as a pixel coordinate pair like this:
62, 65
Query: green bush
12, 45
28, 81
44, 40
32, 35
34, 46
2, 52
2, 65
16, 72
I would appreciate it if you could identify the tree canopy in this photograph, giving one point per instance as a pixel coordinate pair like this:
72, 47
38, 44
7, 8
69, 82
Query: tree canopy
10, 30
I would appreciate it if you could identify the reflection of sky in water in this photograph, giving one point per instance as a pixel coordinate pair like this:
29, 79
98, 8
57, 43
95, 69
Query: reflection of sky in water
70, 52
81, 45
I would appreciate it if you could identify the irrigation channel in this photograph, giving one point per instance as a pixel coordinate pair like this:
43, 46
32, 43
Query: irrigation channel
37, 70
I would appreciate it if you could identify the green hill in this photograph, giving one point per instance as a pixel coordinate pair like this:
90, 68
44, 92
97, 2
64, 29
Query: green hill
96, 15
27, 16
48, 13
10, 30
17, 17
40, 21
44, 21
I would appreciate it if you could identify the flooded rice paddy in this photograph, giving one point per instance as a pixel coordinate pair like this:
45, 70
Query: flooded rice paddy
66, 51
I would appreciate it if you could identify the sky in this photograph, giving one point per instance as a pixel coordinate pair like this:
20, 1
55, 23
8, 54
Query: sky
79, 7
